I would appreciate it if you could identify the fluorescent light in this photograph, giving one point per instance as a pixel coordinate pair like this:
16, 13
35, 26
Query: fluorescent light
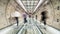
20, 3
40, 2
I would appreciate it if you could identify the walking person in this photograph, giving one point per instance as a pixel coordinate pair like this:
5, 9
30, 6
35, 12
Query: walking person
16, 15
30, 18
17, 20
44, 17
25, 17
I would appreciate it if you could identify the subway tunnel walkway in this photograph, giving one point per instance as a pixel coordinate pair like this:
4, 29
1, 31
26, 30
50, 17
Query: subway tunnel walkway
30, 28
9, 9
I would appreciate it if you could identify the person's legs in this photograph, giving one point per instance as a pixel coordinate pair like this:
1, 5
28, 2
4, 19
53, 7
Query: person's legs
24, 20
17, 20
44, 22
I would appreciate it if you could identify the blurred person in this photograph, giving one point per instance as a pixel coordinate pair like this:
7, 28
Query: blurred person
25, 17
16, 15
44, 17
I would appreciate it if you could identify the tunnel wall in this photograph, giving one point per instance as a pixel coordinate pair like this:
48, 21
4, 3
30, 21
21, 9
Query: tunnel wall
53, 14
3, 21
6, 9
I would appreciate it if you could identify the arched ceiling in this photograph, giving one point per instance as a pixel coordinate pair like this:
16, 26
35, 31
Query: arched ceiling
30, 5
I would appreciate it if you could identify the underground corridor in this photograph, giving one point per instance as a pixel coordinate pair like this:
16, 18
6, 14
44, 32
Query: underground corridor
29, 16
